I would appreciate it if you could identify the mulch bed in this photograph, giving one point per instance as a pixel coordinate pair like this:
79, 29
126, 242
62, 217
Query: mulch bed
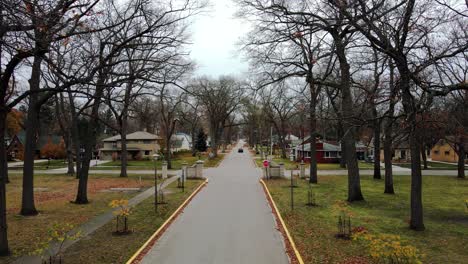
68, 193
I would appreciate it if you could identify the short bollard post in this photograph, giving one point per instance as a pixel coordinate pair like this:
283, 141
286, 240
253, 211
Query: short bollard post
164, 170
183, 175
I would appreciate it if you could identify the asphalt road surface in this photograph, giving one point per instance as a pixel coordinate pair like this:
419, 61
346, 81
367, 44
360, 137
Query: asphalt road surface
229, 221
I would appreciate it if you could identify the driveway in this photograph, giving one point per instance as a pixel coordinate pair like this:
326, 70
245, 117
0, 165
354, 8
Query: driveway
229, 221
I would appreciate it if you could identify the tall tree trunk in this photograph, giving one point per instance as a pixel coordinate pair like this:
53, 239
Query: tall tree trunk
461, 160
4, 249
124, 124
313, 135
75, 133
388, 161
90, 139
354, 180
417, 217
27, 202
168, 151
66, 132
82, 193
388, 141
343, 147
123, 152
194, 139
377, 125
123, 141
215, 132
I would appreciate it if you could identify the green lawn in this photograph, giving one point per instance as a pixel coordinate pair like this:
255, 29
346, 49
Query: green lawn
104, 247
313, 228
177, 161
321, 166
431, 165
52, 197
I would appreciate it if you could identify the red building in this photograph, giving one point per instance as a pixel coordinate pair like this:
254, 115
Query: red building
327, 152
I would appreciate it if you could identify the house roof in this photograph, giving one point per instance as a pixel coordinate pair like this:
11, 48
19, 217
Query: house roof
139, 135
181, 136
330, 146
41, 141
450, 141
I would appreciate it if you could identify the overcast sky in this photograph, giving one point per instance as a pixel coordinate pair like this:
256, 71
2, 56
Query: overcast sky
215, 36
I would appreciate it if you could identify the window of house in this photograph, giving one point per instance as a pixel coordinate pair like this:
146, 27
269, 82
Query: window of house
327, 154
436, 152
447, 152
147, 152
114, 144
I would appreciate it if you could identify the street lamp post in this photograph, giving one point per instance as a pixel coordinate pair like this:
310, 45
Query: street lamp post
155, 158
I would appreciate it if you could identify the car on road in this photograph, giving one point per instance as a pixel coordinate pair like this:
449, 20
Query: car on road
241, 150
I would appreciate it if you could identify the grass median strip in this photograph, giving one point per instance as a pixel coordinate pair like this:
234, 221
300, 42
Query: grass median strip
104, 247
53, 194
313, 228
293, 253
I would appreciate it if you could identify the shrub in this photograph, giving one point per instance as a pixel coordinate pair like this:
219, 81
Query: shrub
344, 219
139, 156
59, 233
115, 156
122, 213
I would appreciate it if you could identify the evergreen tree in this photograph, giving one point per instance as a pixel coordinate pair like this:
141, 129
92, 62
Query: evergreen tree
200, 145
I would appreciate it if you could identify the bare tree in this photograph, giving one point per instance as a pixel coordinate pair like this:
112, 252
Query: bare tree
220, 99
279, 107
191, 117
407, 33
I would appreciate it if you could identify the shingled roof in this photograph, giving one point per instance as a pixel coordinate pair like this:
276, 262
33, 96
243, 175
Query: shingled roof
139, 135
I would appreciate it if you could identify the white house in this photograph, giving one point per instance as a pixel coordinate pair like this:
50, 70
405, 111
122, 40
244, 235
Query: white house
181, 141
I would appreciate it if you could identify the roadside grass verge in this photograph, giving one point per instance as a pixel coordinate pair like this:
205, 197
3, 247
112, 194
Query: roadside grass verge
53, 194
314, 228
103, 247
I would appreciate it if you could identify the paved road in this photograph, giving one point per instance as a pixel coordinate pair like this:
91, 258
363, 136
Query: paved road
227, 222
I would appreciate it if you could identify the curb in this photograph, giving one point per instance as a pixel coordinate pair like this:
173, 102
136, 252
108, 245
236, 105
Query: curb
296, 257
150, 242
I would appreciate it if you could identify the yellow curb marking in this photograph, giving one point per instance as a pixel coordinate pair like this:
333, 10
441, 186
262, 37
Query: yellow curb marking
165, 223
293, 245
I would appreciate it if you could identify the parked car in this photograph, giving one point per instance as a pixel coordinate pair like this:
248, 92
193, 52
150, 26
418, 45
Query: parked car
241, 150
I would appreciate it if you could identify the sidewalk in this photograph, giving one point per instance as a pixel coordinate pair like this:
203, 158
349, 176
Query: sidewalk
20, 163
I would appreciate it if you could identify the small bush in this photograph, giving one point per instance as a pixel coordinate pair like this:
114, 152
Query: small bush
115, 156
122, 214
59, 233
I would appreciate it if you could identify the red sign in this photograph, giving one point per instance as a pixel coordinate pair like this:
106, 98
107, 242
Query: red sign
265, 163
